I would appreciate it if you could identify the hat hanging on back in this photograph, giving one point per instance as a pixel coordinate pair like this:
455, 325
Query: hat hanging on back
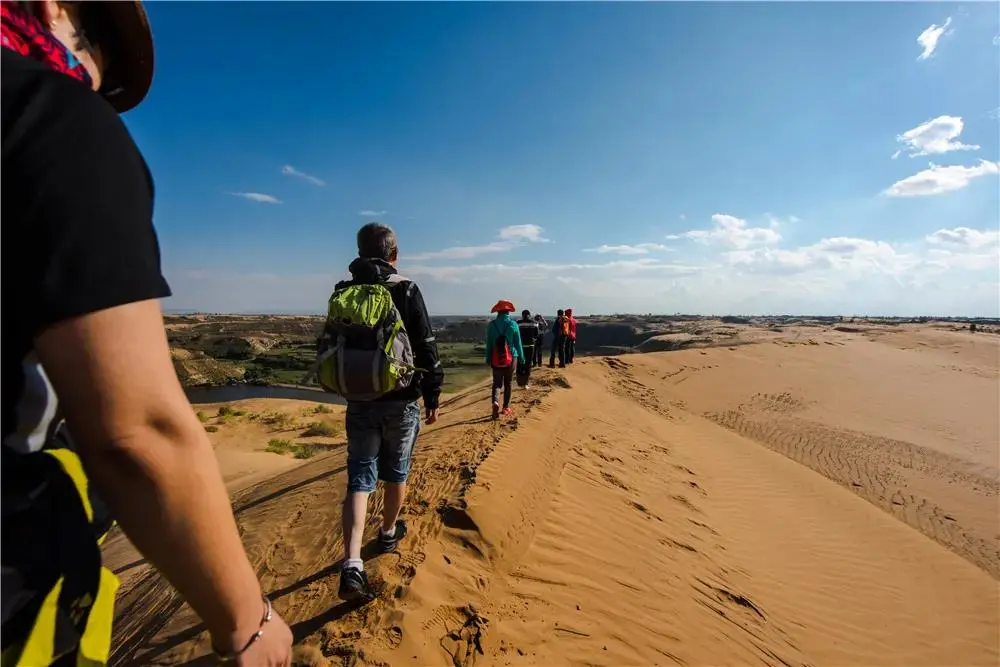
125, 34
503, 306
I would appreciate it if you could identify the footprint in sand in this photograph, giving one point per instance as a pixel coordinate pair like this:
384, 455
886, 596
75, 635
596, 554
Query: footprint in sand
685, 502
668, 542
645, 510
614, 481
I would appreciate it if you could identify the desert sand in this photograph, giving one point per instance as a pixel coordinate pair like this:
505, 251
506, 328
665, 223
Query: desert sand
814, 497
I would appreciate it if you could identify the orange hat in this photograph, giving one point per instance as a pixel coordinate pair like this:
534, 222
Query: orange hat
503, 306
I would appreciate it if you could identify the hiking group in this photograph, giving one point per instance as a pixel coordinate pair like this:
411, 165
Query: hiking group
96, 426
514, 348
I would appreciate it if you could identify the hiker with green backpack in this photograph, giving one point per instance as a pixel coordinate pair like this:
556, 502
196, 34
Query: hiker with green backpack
503, 353
378, 351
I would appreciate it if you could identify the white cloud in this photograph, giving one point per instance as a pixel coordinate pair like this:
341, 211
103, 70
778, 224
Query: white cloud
510, 237
965, 237
463, 251
732, 231
289, 170
645, 269
936, 136
530, 233
947, 272
637, 249
937, 180
930, 37
259, 197
844, 254
948, 260
370, 213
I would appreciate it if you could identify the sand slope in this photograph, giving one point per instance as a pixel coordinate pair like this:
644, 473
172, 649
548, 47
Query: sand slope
829, 503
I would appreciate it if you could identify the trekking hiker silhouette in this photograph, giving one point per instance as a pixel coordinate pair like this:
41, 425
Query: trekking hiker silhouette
378, 320
84, 341
560, 332
503, 352
530, 335
570, 343
543, 327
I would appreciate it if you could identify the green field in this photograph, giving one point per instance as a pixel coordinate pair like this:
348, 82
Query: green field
464, 365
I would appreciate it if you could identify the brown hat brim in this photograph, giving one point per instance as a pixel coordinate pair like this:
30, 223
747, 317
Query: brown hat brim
128, 40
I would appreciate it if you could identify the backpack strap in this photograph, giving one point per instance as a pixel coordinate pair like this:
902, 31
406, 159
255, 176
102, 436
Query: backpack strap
396, 279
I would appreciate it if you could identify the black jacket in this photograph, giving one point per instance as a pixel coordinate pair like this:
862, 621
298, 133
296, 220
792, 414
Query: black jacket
530, 331
410, 304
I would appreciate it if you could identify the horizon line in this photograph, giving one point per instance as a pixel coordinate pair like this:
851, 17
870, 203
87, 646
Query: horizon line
307, 313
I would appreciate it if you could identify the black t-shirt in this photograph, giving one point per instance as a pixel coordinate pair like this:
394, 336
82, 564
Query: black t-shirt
77, 211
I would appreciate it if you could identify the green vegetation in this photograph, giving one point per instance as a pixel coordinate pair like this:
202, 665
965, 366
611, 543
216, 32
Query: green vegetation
211, 429
226, 411
202, 417
279, 446
322, 409
299, 450
281, 421
464, 365
318, 428
281, 365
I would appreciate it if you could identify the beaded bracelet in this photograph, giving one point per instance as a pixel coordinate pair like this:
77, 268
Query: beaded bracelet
229, 657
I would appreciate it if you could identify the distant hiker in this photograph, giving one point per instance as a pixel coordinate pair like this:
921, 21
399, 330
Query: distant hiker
543, 327
378, 352
503, 351
570, 336
530, 336
83, 340
560, 331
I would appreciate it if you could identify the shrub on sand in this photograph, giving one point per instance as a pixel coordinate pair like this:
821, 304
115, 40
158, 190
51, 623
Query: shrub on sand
279, 446
319, 428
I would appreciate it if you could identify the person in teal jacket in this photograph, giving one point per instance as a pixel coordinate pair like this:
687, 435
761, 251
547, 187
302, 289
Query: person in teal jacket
503, 352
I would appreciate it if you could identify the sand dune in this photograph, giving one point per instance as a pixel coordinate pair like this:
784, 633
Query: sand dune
825, 498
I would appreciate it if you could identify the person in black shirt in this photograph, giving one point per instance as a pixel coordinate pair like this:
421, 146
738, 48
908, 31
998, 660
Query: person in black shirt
559, 335
84, 346
530, 336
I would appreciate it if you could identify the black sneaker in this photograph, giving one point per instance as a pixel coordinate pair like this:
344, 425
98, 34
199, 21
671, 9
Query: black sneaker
354, 586
387, 545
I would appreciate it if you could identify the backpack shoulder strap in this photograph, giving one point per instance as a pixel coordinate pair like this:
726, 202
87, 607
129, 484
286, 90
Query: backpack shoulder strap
396, 279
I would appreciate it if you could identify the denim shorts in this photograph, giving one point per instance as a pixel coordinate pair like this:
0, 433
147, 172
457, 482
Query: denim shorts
380, 438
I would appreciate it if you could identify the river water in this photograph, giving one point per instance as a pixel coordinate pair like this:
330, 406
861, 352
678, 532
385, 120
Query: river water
238, 392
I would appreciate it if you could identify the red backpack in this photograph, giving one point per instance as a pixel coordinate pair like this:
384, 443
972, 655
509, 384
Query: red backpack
500, 354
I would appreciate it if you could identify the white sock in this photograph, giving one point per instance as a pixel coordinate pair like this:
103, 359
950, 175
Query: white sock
389, 533
355, 563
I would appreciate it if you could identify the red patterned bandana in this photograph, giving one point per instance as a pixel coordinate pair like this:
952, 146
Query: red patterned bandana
26, 35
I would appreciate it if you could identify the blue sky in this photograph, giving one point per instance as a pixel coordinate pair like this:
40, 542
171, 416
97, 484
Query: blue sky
665, 157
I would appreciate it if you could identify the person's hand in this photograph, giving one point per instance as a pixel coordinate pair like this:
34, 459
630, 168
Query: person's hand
432, 416
273, 649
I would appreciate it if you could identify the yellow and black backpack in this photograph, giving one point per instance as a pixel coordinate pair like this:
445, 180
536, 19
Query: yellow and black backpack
58, 600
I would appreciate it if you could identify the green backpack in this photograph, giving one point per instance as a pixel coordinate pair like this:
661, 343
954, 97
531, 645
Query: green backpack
364, 352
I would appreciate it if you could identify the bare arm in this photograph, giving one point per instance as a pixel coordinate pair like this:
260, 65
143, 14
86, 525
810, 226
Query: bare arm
142, 445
